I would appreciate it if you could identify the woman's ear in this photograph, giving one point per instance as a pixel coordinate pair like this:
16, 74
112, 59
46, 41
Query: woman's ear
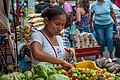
46, 20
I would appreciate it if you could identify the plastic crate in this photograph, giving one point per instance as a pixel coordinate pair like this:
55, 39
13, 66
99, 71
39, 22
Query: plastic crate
87, 64
83, 52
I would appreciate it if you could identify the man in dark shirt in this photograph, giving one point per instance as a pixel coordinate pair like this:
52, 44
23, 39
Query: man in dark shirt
41, 6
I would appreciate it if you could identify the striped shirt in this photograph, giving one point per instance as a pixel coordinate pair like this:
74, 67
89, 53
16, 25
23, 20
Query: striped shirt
66, 37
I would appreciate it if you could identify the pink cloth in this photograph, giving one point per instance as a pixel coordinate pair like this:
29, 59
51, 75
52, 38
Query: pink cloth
5, 22
117, 2
67, 7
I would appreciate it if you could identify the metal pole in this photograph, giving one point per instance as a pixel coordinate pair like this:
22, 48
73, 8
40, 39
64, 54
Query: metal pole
14, 19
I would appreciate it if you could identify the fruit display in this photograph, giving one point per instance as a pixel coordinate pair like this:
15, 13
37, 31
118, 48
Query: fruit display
46, 71
88, 74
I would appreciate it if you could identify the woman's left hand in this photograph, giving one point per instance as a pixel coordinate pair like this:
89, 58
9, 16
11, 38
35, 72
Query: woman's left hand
116, 24
70, 50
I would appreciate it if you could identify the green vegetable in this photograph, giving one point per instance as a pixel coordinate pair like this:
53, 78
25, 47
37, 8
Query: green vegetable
28, 74
117, 78
87, 71
35, 76
39, 79
44, 69
74, 74
78, 72
104, 70
62, 71
79, 77
58, 77
13, 76
73, 70
40, 72
5, 77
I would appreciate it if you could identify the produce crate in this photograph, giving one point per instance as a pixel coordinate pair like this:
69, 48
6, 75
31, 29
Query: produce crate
87, 64
91, 51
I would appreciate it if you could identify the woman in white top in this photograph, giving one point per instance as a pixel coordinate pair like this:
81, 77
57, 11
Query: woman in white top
47, 44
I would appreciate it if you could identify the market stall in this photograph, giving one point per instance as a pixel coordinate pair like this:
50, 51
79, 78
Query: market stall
86, 70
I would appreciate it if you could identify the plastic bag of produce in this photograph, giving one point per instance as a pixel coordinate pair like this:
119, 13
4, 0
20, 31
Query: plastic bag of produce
58, 77
44, 69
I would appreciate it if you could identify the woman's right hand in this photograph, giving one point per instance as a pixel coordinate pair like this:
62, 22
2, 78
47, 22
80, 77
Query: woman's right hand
66, 65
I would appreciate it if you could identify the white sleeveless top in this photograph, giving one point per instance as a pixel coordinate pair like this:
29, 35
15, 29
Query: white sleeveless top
46, 47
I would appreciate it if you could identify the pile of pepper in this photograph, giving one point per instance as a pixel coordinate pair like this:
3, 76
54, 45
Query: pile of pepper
88, 74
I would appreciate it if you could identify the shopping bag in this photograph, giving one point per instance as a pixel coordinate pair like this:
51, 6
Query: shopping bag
73, 28
71, 36
117, 46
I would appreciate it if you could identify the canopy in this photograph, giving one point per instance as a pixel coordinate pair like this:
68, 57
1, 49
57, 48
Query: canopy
4, 10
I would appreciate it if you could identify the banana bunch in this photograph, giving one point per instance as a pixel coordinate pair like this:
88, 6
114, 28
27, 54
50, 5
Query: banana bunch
27, 34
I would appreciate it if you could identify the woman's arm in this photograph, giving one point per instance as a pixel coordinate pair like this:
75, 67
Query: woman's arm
78, 19
40, 55
113, 17
91, 21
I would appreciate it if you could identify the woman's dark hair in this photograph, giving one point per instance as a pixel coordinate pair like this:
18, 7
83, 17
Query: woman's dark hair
85, 4
52, 12
68, 21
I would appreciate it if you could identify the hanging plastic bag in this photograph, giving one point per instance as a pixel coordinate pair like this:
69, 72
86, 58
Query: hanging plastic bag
73, 28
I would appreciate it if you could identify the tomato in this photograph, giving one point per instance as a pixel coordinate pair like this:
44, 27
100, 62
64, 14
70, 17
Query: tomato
99, 72
74, 78
107, 77
67, 74
82, 71
91, 78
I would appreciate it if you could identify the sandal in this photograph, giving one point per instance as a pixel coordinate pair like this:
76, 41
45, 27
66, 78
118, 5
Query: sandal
103, 57
114, 59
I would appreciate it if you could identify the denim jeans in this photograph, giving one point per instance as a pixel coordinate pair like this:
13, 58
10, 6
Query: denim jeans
104, 35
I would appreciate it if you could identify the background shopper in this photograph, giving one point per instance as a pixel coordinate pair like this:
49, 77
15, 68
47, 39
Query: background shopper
103, 24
